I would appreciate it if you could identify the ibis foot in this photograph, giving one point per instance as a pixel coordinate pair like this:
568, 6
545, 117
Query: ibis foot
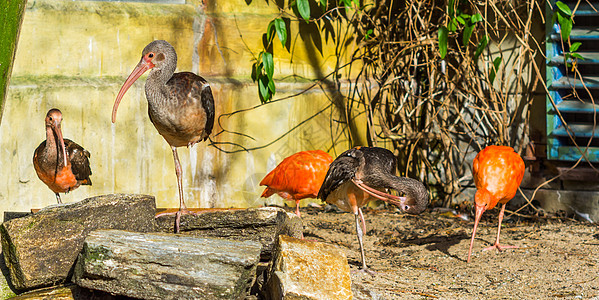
178, 214
365, 270
499, 247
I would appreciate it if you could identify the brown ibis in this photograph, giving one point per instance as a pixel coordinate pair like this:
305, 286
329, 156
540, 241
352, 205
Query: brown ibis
362, 174
180, 105
60, 163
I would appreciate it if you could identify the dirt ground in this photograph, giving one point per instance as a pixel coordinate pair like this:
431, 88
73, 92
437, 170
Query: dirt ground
419, 257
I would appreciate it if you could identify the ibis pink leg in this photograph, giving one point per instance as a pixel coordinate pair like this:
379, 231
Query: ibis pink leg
360, 234
297, 211
497, 245
182, 207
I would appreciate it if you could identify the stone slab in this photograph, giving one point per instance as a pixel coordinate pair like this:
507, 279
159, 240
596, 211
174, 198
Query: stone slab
167, 266
303, 269
67, 292
263, 225
41, 249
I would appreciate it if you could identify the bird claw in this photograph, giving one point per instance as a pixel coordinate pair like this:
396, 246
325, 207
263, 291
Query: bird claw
499, 247
364, 270
181, 212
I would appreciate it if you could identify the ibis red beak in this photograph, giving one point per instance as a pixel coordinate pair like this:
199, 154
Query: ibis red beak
143, 65
56, 128
480, 209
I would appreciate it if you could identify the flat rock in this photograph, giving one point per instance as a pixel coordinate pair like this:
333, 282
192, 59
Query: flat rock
167, 266
41, 249
303, 269
67, 292
6, 289
262, 225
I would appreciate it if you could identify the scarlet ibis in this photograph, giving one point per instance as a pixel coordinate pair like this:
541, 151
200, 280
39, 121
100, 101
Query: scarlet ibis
362, 174
298, 176
180, 105
498, 172
60, 163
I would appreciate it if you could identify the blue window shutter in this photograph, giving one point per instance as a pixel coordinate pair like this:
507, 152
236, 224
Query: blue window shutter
577, 103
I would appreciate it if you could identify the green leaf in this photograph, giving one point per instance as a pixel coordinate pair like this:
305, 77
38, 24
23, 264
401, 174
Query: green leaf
481, 46
565, 25
467, 33
493, 72
271, 86
461, 19
577, 56
269, 66
303, 6
451, 12
323, 3
443, 32
575, 46
256, 71
453, 25
368, 33
281, 30
265, 94
269, 29
562, 7
476, 18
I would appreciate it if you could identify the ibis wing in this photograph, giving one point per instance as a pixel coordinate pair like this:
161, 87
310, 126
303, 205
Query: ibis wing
342, 169
79, 159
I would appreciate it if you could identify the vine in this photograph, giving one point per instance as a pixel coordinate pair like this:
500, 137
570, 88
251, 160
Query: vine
437, 79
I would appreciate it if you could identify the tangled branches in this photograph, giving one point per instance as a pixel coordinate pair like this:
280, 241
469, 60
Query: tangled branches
435, 110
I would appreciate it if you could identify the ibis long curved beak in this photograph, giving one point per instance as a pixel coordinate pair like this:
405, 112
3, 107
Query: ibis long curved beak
56, 128
143, 65
480, 209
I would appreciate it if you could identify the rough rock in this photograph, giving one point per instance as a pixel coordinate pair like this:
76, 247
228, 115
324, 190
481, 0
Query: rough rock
67, 292
6, 289
303, 269
262, 225
166, 266
41, 249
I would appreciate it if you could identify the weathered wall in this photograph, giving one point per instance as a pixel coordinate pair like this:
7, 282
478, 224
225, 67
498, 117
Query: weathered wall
74, 55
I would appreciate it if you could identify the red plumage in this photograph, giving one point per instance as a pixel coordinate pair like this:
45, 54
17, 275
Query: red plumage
298, 176
497, 172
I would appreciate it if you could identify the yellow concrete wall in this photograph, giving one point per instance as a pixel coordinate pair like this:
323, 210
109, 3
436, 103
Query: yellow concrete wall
74, 55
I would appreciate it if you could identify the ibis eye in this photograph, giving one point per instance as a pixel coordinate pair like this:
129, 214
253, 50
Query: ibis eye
406, 207
151, 55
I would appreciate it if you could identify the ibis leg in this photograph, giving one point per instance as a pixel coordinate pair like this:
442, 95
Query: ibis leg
362, 219
58, 198
179, 172
360, 234
497, 245
297, 211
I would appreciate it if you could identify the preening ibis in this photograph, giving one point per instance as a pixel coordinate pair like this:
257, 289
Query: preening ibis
60, 163
362, 174
180, 105
298, 176
498, 172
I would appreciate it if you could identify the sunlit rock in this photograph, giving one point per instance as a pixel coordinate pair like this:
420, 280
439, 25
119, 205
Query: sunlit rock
303, 269
262, 225
65, 292
40, 249
166, 266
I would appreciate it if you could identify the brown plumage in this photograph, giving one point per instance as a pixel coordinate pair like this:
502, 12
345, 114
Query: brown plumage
180, 105
60, 163
362, 174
